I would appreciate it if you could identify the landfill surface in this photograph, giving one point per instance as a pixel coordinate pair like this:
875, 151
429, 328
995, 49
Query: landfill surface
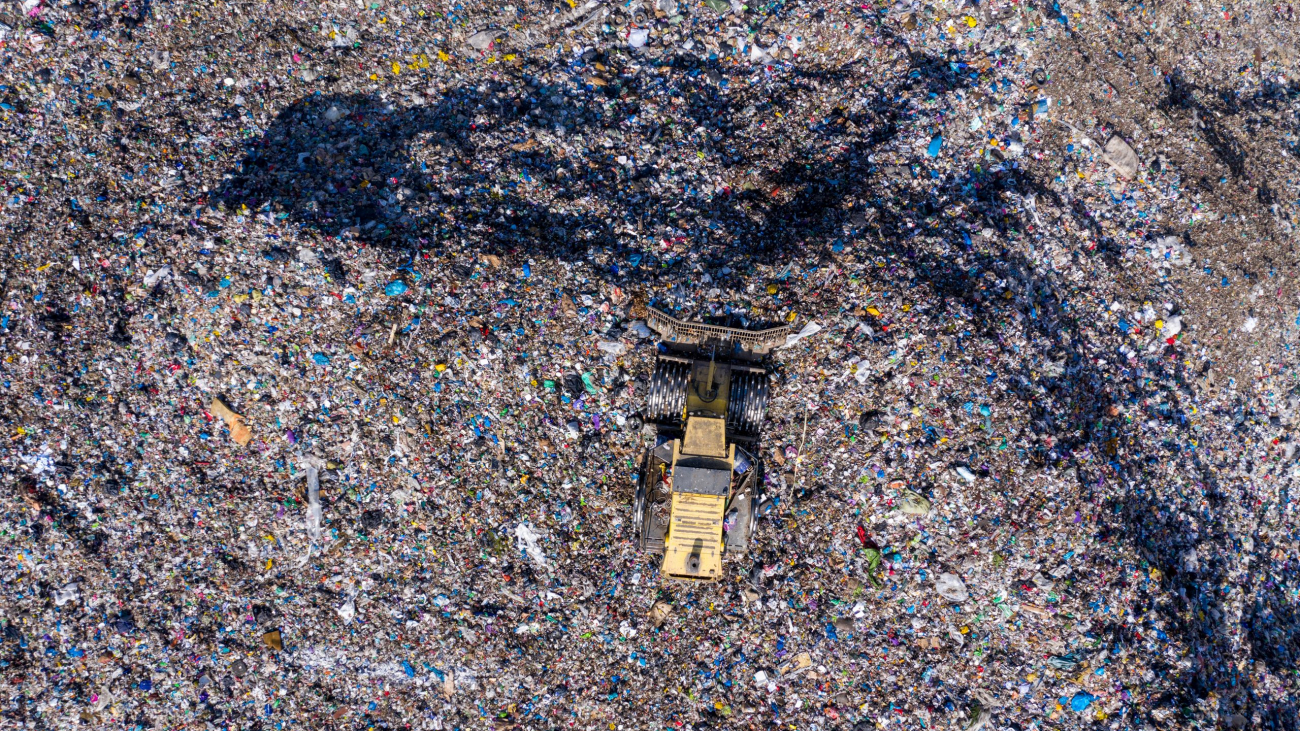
324, 352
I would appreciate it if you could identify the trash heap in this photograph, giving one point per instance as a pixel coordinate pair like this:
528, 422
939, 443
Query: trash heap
324, 361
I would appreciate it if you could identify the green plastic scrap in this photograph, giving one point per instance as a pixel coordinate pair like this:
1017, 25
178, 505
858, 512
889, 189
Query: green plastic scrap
873, 567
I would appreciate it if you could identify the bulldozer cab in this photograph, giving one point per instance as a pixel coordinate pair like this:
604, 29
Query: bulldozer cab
696, 500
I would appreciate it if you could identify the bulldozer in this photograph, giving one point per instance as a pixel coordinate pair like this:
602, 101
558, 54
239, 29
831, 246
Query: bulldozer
700, 487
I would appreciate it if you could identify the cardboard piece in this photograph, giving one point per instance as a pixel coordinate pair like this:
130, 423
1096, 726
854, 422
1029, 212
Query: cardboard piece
239, 431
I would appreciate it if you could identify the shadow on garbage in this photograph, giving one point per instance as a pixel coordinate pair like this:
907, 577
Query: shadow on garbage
1187, 542
336, 163
1209, 107
409, 176
1170, 528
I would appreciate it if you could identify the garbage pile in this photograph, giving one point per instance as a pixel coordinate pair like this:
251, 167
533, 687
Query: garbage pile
325, 360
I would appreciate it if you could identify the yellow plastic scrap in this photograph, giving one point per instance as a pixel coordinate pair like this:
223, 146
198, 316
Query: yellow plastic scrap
239, 431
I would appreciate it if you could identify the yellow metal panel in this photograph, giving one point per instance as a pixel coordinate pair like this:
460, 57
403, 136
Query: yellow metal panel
700, 386
705, 436
694, 531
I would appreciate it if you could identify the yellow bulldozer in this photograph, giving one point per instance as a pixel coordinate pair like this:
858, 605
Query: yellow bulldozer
700, 488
